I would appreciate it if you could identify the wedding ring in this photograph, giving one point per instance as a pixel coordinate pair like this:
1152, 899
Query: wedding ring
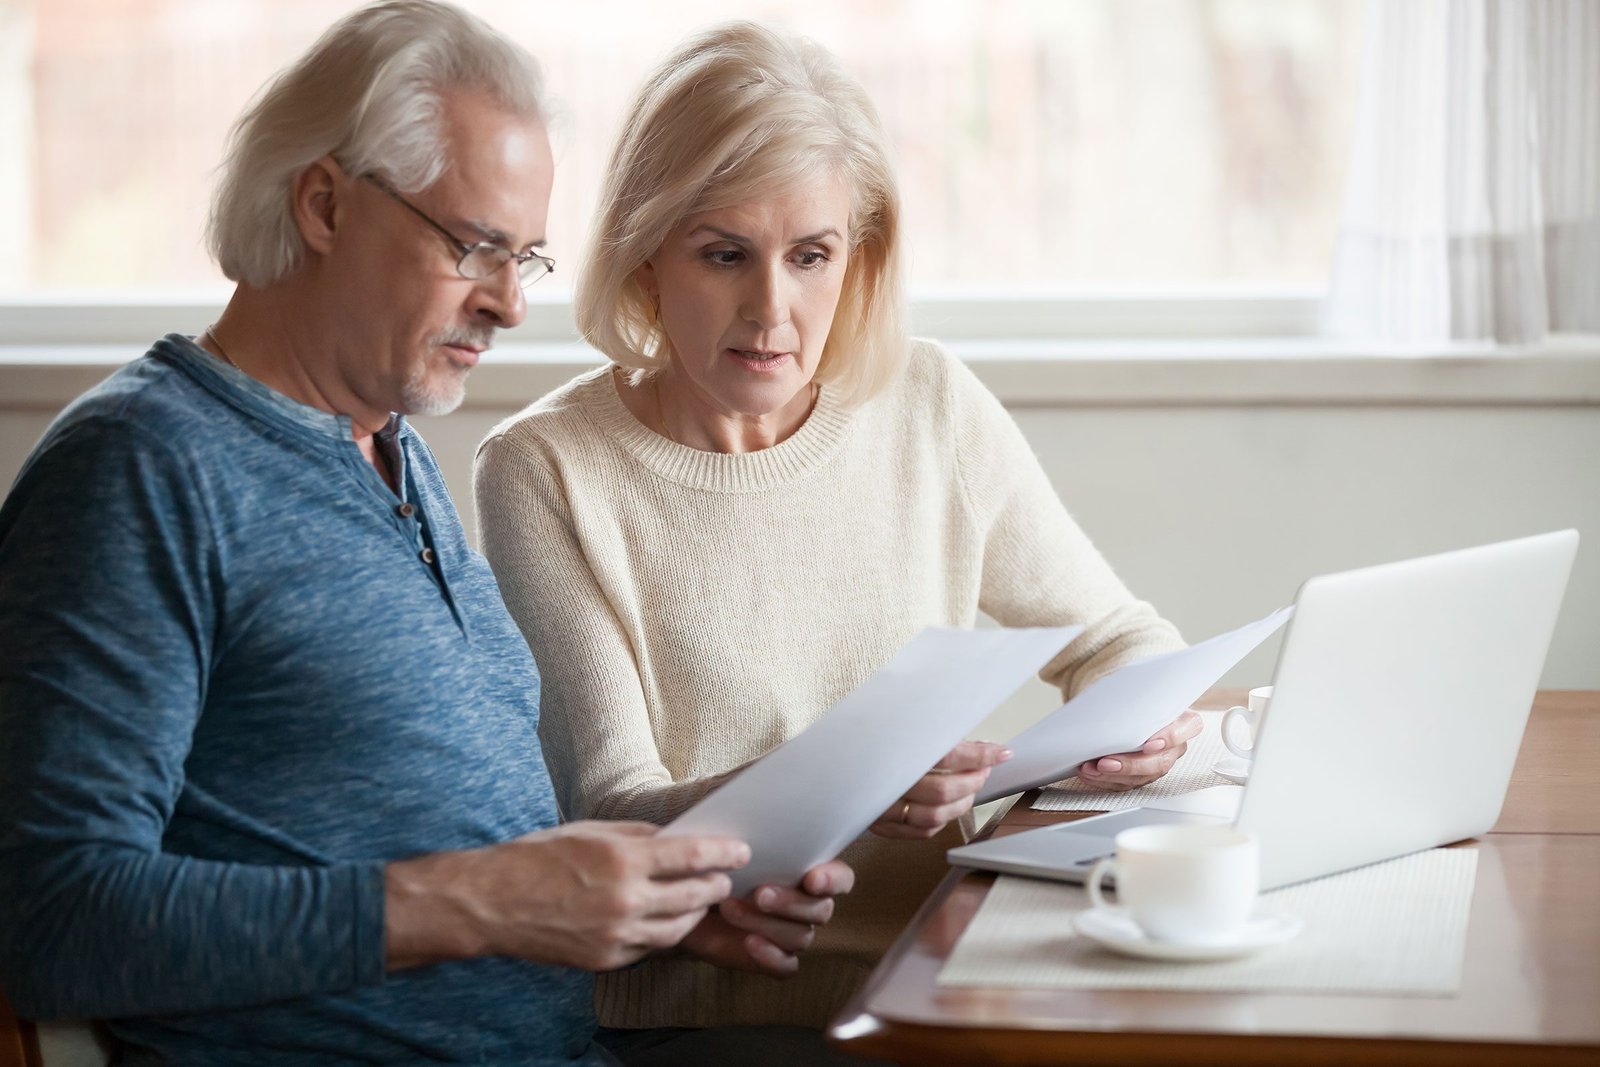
905, 812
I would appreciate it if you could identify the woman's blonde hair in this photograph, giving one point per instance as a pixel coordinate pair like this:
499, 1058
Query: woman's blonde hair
737, 113
369, 94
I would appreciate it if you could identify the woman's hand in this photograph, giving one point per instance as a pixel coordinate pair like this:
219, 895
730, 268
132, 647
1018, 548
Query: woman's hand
1129, 770
766, 931
942, 795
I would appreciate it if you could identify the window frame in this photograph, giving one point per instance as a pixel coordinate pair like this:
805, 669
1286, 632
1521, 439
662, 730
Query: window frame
948, 313
1246, 347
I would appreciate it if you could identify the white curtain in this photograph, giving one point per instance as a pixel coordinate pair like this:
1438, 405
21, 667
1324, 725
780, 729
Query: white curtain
1473, 209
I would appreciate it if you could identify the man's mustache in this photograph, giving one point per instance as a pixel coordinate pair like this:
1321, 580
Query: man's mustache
472, 338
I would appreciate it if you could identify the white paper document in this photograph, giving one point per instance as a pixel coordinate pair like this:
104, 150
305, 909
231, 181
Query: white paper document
801, 803
1119, 712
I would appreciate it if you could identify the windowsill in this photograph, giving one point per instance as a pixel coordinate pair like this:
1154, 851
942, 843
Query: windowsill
1166, 372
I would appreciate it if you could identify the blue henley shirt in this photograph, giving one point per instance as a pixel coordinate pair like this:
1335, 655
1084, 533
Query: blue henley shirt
238, 673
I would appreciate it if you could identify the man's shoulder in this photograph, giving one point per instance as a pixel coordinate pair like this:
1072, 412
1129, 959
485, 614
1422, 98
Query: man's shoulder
123, 445
150, 399
150, 421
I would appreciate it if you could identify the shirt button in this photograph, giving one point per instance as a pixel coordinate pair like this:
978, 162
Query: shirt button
426, 555
406, 510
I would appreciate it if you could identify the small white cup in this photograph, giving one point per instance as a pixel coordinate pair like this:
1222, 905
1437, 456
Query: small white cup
1260, 700
1192, 885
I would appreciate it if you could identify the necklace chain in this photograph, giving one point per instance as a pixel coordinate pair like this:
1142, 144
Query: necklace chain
211, 332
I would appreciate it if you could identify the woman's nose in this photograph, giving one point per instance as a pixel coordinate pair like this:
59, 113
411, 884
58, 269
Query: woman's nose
766, 300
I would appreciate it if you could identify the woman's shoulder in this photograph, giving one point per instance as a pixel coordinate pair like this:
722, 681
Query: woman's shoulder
945, 395
935, 382
929, 363
923, 375
558, 416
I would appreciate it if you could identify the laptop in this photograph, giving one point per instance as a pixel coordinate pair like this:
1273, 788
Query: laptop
1399, 700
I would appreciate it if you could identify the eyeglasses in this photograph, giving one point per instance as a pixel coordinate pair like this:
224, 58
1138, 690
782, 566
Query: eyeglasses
479, 260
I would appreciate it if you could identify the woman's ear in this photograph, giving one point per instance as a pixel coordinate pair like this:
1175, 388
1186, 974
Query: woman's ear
644, 276
314, 198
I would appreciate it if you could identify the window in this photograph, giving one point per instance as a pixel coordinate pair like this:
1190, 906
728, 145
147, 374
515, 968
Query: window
1134, 145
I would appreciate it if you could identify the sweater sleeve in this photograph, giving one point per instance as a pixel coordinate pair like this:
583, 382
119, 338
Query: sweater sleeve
109, 585
1039, 567
594, 720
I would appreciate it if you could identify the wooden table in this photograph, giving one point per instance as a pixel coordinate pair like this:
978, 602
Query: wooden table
1530, 989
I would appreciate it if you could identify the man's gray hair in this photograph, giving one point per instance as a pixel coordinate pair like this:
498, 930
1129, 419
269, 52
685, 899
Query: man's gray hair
369, 93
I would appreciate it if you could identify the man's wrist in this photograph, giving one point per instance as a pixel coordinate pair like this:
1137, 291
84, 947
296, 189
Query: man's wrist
428, 916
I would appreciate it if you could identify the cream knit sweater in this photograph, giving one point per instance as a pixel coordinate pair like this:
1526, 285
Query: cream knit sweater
690, 611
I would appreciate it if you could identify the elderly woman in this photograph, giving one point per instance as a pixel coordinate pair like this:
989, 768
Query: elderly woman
768, 491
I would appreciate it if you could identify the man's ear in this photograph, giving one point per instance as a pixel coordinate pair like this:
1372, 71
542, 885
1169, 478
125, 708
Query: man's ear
314, 198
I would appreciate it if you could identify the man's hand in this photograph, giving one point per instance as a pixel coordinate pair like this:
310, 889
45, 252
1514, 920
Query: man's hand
766, 931
1129, 770
942, 795
588, 894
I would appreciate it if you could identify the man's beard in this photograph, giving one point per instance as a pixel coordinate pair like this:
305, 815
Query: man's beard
431, 390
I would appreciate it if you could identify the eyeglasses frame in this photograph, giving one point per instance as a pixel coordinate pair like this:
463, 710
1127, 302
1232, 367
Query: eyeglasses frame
468, 250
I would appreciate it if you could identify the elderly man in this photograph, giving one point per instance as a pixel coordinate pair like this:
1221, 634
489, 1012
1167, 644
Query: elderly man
271, 787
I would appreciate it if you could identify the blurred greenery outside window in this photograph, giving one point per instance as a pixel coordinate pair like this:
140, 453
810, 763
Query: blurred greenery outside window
1043, 146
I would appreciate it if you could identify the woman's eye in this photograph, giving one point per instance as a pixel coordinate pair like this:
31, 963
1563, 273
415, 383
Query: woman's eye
724, 257
812, 258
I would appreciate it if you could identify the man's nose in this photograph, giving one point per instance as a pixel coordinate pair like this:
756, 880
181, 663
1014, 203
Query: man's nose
499, 298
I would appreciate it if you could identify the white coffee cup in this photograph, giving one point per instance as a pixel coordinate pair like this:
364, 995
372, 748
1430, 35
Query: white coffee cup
1185, 884
1260, 700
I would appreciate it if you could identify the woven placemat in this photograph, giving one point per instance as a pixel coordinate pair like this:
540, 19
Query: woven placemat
1393, 928
1192, 772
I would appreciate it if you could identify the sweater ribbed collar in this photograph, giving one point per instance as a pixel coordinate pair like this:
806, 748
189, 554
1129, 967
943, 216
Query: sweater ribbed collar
797, 456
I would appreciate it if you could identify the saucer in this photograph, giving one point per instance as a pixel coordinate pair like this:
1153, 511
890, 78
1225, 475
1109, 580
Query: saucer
1115, 930
1233, 768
